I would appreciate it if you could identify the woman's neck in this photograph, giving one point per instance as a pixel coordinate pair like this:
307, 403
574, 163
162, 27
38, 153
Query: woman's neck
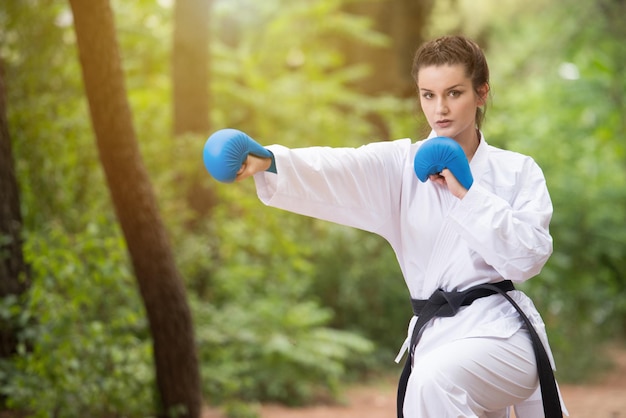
471, 145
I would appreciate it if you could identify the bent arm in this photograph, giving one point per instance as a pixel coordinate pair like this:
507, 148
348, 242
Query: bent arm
511, 235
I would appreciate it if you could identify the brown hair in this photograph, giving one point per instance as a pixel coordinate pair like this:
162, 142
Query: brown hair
451, 50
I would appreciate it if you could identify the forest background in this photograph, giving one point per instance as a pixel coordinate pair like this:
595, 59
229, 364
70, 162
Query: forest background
283, 308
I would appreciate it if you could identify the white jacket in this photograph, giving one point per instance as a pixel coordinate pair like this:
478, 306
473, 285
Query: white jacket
499, 230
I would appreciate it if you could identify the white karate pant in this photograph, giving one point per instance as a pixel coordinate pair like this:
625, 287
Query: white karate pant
475, 377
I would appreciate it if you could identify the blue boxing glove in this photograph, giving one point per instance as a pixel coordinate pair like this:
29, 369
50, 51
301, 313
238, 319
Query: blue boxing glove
227, 149
442, 152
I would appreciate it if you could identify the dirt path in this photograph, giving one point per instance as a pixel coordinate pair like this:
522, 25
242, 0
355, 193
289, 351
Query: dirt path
605, 399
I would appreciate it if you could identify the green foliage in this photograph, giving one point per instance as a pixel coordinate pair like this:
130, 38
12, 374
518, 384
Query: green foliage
261, 333
267, 340
273, 349
358, 276
562, 102
286, 308
88, 352
285, 81
49, 124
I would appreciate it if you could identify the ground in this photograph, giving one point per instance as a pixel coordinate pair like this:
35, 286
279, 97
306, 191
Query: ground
604, 399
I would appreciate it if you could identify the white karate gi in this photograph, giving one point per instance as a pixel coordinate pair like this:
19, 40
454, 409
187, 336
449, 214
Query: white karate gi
499, 230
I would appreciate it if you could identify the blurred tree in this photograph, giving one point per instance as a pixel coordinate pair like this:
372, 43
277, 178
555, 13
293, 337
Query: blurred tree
13, 269
190, 66
405, 23
161, 286
190, 84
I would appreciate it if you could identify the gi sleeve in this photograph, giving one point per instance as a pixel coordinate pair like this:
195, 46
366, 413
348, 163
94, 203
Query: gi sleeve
357, 187
508, 224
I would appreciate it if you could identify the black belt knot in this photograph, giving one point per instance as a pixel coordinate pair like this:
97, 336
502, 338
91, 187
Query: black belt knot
447, 304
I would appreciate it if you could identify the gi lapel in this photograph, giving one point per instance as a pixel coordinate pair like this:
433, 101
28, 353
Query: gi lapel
443, 245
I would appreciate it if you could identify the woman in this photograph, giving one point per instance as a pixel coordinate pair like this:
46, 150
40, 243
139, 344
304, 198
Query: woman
478, 361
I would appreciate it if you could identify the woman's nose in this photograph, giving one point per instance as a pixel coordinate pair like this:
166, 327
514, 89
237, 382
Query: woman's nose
442, 107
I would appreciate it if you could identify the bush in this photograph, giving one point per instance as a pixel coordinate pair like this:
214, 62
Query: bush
261, 335
89, 352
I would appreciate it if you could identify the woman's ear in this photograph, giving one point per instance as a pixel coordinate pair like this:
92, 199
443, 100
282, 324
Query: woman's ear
483, 92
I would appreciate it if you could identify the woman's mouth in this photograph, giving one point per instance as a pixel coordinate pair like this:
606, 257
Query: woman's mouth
443, 123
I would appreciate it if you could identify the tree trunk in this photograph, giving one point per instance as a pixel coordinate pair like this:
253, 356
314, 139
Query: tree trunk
160, 284
190, 66
404, 22
191, 94
13, 269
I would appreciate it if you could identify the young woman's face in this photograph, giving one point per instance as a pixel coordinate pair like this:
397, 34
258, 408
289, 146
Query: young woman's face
449, 101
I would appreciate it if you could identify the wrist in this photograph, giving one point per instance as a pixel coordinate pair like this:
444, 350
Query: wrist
271, 164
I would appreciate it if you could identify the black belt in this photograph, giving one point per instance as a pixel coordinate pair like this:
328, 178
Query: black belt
445, 304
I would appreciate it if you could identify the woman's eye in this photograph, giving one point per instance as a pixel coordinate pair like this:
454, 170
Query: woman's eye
427, 95
454, 93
